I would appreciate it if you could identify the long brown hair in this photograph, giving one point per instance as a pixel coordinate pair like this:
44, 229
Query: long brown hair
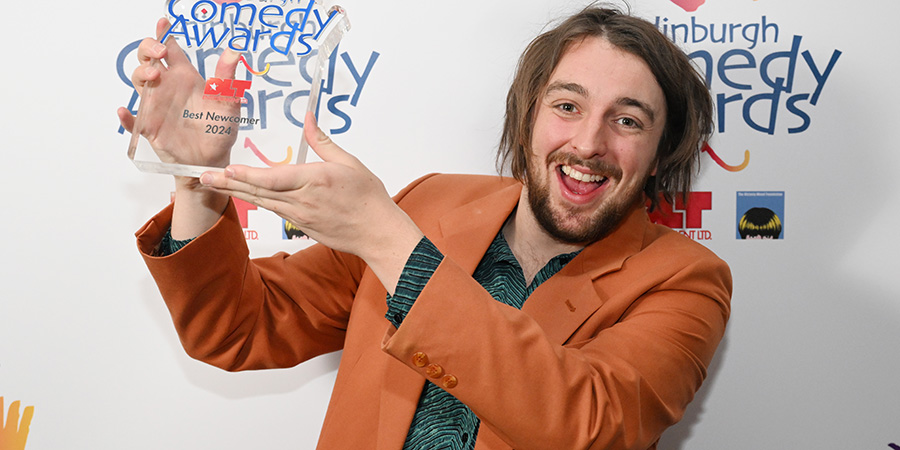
688, 104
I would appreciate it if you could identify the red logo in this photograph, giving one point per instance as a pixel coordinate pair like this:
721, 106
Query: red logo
226, 90
243, 209
687, 218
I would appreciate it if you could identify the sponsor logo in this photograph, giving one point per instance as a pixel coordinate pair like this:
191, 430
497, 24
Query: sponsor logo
247, 27
225, 90
685, 217
284, 96
291, 232
765, 80
761, 78
760, 215
243, 210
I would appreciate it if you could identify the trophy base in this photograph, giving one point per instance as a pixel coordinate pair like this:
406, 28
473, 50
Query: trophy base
179, 170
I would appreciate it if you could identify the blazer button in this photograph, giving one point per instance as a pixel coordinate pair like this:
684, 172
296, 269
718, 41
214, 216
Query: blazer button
434, 371
450, 382
420, 359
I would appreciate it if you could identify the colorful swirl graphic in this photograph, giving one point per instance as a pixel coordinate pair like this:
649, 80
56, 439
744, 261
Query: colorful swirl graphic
265, 71
249, 144
712, 154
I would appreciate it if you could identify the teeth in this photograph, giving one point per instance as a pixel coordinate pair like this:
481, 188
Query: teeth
574, 174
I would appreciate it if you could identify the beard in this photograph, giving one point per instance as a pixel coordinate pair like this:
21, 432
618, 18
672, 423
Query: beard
589, 226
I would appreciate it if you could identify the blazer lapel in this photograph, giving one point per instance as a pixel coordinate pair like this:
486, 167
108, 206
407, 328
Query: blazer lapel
565, 301
467, 231
465, 234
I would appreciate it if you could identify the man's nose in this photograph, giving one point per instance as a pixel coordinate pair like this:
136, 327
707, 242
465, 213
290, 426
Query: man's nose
590, 138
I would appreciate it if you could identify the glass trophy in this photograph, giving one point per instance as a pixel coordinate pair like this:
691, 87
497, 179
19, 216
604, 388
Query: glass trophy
284, 48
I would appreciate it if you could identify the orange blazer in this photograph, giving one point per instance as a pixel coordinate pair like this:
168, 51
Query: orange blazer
605, 354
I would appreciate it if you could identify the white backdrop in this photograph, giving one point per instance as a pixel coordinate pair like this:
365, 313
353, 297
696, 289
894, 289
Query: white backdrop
810, 359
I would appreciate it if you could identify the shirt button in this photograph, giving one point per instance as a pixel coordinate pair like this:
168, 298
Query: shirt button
450, 381
434, 371
420, 359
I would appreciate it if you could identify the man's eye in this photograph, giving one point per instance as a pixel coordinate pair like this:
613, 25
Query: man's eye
629, 122
567, 107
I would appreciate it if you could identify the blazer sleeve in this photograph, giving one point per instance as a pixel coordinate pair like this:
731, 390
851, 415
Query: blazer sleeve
238, 313
622, 378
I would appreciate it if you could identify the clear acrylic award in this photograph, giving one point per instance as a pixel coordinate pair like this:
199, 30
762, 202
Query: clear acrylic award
284, 48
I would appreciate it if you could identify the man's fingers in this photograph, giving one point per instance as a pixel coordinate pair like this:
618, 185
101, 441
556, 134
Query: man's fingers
322, 144
162, 26
256, 181
174, 54
149, 53
150, 49
227, 65
276, 179
125, 118
227, 185
145, 73
265, 188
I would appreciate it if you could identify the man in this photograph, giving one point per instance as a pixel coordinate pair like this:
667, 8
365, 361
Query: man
543, 311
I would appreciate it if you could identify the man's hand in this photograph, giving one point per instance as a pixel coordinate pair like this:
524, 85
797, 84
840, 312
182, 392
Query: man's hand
169, 85
337, 202
13, 435
167, 90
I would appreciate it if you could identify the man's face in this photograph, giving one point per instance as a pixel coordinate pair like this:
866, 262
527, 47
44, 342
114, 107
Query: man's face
596, 130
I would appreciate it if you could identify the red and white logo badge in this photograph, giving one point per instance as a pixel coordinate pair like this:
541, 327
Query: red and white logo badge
226, 90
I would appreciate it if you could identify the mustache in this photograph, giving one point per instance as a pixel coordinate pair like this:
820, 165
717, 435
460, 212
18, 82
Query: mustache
596, 166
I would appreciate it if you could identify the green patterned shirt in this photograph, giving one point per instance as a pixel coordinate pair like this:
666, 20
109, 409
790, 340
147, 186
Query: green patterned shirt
441, 421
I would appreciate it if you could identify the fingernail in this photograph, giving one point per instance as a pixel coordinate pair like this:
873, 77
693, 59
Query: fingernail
230, 56
158, 47
229, 172
206, 179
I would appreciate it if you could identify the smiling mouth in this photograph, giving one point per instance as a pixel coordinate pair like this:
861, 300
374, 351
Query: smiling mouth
580, 183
